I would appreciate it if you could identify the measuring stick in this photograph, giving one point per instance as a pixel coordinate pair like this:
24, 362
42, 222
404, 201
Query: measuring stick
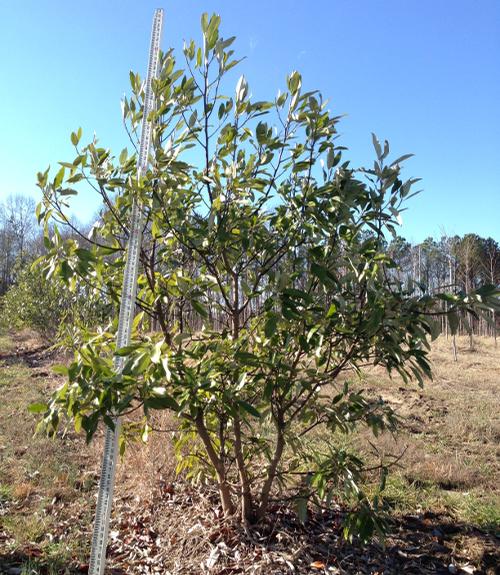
127, 308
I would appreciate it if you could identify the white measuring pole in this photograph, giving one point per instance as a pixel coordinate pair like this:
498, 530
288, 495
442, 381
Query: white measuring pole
127, 308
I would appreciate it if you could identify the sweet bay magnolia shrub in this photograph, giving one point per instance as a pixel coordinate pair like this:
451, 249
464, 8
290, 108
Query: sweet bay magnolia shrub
46, 305
264, 278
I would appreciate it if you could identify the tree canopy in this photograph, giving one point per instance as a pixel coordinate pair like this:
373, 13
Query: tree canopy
265, 283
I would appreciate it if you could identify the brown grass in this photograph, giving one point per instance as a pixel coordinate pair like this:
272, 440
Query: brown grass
451, 431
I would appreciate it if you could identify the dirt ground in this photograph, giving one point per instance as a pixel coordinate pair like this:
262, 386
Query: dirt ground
444, 498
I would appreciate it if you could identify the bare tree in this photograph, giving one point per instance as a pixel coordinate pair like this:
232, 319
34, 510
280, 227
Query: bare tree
18, 232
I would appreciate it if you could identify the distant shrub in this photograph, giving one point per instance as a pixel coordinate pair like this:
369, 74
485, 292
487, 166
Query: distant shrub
47, 304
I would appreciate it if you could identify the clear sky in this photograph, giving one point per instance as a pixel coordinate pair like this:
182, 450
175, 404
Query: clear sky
424, 74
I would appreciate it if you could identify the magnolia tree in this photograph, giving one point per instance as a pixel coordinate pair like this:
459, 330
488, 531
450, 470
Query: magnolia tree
264, 284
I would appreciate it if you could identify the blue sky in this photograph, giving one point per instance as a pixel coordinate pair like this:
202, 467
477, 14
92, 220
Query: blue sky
424, 74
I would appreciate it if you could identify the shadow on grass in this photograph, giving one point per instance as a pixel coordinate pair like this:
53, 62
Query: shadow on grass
27, 356
25, 564
436, 541
425, 544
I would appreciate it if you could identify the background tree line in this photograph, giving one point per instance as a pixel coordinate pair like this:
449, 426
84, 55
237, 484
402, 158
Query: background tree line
460, 263
20, 238
27, 297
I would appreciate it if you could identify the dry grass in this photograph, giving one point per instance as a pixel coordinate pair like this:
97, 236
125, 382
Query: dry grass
146, 463
47, 488
451, 432
38, 477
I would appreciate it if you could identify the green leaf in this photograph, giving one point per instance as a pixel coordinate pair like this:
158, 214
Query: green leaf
377, 146
488, 290
268, 389
38, 408
261, 132
127, 350
74, 179
164, 402
330, 158
281, 99
324, 275
137, 365
132, 80
85, 255
204, 22
247, 358
331, 311
294, 82
192, 119
59, 177
75, 137
68, 192
78, 423
65, 270
109, 421
248, 408
60, 369
137, 320
199, 308
270, 326
213, 31
156, 355
122, 445
89, 424
401, 159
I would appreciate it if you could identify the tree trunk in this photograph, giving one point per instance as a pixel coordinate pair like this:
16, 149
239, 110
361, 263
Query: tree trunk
224, 489
271, 473
247, 511
493, 313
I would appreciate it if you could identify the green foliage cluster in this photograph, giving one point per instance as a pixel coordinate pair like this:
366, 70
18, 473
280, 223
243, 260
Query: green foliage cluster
45, 304
264, 269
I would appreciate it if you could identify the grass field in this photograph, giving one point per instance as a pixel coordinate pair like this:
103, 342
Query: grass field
444, 497
450, 434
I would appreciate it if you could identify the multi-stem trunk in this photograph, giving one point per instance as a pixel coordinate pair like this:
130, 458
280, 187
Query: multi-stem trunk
247, 510
271, 470
218, 464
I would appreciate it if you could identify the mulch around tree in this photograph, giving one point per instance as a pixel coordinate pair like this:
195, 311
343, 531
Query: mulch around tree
183, 532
